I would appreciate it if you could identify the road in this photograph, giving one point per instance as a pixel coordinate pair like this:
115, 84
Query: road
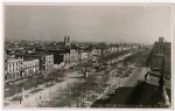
135, 77
50, 93
130, 81
45, 95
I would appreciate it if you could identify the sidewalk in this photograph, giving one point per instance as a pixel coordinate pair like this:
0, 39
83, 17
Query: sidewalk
46, 93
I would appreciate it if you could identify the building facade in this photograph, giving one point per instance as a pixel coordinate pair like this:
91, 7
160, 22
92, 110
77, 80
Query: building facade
13, 68
161, 48
46, 61
161, 51
72, 56
49, 62
30, 67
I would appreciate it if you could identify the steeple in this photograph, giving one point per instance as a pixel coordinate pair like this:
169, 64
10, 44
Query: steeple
67, 41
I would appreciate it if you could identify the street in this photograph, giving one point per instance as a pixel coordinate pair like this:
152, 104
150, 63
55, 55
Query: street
46, 96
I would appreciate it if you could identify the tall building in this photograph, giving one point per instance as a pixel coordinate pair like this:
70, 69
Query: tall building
161, 50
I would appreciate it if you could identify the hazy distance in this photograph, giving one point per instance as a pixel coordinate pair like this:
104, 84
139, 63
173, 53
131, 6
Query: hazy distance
136, 24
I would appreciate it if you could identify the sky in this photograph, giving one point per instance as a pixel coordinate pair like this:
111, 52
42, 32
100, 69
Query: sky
134, 24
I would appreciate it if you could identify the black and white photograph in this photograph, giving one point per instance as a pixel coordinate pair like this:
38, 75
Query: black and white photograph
88, 55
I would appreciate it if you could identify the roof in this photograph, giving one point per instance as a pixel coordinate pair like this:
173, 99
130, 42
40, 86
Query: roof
29, 58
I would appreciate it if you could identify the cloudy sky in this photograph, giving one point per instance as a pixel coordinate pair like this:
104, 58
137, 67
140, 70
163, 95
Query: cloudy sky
88, 23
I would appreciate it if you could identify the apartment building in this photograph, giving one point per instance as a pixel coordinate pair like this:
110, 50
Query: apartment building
30, 67
13, 68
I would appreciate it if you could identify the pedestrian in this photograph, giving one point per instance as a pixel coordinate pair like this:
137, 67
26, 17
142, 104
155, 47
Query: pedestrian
20, 99
146, 79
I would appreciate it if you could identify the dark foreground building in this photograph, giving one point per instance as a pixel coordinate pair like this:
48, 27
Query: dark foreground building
161, 52
161, 49
146, 94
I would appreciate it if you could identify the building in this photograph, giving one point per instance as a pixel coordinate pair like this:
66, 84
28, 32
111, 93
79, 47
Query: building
30, 67
161, 52
58, 58
13, 68
58, 54
86, 56
96, 52
161, 49
72, 56
48, 62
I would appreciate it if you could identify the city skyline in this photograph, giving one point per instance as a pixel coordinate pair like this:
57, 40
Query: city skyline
98, 24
